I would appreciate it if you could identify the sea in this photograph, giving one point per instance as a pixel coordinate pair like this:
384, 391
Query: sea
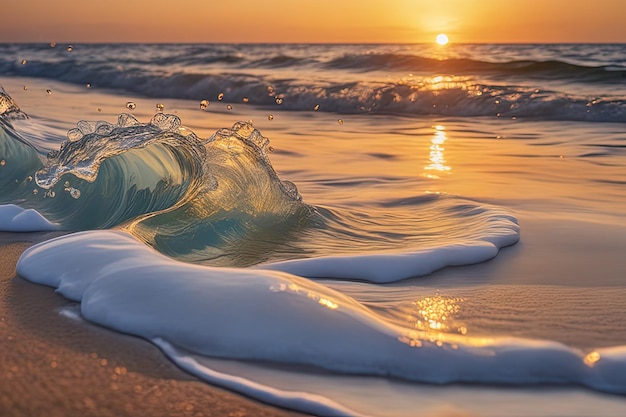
369, 230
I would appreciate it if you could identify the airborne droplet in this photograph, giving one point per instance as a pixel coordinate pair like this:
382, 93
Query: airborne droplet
229, 107
204, 104
270, 117
279, 100
245, 99
3, 163
88, 85
23, 62
74, 192
25, 87
131, 105
220, 96
53, 44
49, 92
340, 121
70, 48
67, 184
160, 106
317, 107
35, 191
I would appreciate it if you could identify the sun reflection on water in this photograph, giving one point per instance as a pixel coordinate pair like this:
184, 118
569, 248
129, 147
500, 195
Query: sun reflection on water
591, 359
436, 157
433, 322
294, 288
435, 313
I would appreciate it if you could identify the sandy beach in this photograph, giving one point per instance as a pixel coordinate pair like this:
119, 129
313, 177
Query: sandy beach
57, 366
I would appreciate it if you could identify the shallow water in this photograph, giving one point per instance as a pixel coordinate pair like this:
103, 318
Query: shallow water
379, 198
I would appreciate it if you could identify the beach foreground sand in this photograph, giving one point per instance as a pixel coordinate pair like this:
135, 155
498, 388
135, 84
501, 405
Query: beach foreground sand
52, 365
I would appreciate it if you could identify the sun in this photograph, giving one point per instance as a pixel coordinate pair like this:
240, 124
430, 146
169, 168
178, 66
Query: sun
442, 39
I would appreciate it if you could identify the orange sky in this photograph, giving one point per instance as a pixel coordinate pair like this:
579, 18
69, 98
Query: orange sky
358, 21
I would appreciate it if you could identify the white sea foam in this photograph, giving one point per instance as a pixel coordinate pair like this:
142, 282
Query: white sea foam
274, 316
16, 219
383, 268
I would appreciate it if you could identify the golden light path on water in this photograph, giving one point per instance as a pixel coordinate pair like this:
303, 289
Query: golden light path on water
436, 158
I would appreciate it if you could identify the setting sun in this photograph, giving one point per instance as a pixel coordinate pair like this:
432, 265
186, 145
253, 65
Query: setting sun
442, 39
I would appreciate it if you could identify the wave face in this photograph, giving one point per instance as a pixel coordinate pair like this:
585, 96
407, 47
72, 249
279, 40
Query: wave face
218, 201
543, 82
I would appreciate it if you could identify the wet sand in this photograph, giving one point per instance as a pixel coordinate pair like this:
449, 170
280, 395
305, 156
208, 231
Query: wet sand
53, 365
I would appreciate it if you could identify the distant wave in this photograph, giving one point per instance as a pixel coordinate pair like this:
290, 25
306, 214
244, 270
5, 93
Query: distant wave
460, 66
340, 82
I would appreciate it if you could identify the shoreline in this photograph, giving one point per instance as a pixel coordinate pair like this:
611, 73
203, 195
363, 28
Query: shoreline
53, 366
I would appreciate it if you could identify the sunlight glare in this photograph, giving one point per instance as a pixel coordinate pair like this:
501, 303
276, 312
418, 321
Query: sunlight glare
442, 39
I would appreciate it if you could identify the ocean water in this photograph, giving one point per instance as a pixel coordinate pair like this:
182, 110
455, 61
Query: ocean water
302, 223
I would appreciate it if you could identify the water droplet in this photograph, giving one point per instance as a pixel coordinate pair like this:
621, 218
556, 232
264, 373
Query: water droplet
51, 194
30, 178
212, 183
270, 89
24, 62
74, 135
204, 104
340, 121
99, 109
70, 48
49, 92
270, 117
35, 191
67, 184
53, 44
3, 163
245, 99
229, 107
279, 100
131, 105
74, 192
270, 149
498, 115
160, 106
317, 107
88, 85
25, 87
220, 96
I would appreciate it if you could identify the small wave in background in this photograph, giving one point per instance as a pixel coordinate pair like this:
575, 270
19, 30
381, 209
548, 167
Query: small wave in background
555, 82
